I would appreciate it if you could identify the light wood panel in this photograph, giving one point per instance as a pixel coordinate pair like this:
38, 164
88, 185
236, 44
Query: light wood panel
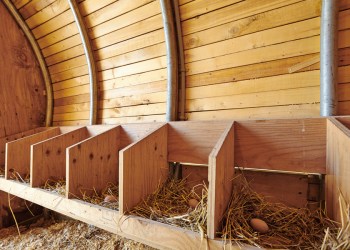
220, 175
192, 142
48, 158
291, 145
338, 160
289, 189
232, 12
307, 28
18, 152
258, 22
93, 163
273, 52
275, 112
143, 166
14, 137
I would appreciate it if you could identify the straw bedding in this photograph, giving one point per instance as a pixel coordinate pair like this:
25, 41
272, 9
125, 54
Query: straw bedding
98, 198
169, 204
2, 172
67, 234
290, 228
91, 196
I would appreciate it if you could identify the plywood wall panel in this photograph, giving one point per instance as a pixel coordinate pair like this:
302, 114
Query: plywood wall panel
22, 99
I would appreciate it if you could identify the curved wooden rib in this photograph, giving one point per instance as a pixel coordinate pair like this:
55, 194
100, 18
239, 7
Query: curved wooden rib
47, 79
90, 59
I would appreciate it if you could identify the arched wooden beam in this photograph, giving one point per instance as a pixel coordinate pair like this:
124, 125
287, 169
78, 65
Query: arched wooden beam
47, 79
89, 58
172, 59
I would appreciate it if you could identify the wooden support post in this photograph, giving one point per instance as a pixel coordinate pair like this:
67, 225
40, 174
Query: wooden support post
338, 162
93, 163
221, 172
48, 158
18, 152
143, 166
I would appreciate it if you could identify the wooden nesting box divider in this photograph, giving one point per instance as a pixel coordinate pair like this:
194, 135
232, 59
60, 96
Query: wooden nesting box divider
18, 152
144, 164
93, 163
270, 149
338, 164
48, 158
297, 145
285, 160
14, 137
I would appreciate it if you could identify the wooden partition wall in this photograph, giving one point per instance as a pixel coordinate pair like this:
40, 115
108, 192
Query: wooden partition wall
144, 164
338, 163
291, 154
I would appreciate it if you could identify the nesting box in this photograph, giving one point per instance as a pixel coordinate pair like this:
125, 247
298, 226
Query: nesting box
298, 162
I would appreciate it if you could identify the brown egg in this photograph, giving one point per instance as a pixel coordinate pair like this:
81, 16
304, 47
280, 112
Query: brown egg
193, 203
110, 198
259, 225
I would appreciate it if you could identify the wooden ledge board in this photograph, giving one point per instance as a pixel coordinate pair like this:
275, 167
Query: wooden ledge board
48, 158
18, 152
145, 231
220, 175
193, 141
297, 145
93, 163
338, 162
143, 165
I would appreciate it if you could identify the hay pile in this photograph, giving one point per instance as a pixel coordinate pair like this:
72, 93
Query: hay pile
17, 177
340, 237
169, 204
67, 234
98, 198
58, 187
290, 228
2, 172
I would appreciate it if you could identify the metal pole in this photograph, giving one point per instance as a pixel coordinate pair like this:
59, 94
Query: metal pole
172, 59
89, 58
182, 80
329, 58
39, 56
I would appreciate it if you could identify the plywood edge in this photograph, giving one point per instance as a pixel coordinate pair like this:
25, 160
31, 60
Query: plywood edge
145, 231
339, 125
220, 174
99, 129
46, 154
85, 159
140, 168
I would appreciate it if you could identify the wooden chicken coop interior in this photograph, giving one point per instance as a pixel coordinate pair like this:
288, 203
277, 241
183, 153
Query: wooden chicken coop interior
123, 92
